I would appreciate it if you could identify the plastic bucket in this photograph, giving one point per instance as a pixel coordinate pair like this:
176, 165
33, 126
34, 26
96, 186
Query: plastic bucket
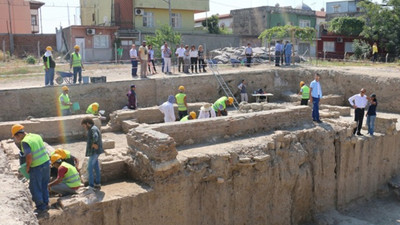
75, 106
22, 170
85, 79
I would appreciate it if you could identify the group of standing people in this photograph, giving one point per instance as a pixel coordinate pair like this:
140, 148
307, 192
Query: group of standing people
359, 102
283, 53
188, 59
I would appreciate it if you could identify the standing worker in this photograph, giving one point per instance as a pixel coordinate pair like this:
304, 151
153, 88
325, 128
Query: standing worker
133, 55
94, 147
243, 92
49, 66
304, 92
93, 109
278, 51
371, 114
143, 57
219, 106
68, 179
180, 52
316, 95
167, 53
65, 102
192, 116
249, 53
37, 165
359, 102
182, 103
375, 52
76, 64
167, 108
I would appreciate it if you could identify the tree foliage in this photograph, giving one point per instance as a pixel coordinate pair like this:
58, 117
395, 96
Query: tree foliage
382, 24
360, 48
212, 24
279, 32
347, 26
164, 33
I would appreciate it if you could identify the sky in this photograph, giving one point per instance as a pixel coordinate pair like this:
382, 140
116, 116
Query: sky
55, 12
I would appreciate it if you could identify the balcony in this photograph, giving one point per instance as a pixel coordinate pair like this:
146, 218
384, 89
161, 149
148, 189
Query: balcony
35, 29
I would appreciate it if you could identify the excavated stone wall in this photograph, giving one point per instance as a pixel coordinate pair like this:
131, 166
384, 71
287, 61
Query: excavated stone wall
200, 88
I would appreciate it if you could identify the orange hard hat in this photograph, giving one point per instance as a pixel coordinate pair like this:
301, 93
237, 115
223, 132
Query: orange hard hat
16, 128
54, 158
61, 153
95, 106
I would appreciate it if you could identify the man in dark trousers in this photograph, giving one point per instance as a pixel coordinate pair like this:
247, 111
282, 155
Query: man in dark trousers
359, 102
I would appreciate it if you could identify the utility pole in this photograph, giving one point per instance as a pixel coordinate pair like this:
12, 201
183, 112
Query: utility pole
11, 31
170, 13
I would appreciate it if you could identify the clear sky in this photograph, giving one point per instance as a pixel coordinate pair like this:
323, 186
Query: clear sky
55, 12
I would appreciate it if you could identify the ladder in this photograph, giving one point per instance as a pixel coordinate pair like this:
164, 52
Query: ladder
214, 69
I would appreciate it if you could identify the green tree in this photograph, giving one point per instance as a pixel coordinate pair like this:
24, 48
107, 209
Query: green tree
348, 26
164, 33
360, 48
382, 24
212, 24
279, 32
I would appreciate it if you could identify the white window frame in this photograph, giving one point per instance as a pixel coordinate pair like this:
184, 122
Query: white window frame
304, 23
329, 46
101, 41
126, 42
148, 19
176, 20
348, 47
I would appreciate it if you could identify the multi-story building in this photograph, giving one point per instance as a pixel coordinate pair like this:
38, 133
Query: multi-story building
342, 8
142, 15
20, 16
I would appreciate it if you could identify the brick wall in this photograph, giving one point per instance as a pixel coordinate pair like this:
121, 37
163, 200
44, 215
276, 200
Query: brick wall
26, 44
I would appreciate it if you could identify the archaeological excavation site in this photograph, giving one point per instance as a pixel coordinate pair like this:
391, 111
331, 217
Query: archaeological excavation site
265, 163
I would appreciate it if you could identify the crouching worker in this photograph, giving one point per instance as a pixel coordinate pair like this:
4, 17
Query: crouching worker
68, 179
66, 157
192, 116
219, 106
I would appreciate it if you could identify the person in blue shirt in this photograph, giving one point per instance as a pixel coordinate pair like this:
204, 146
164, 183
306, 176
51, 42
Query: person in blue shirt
371, 114
316, 95
278, 52
288, 53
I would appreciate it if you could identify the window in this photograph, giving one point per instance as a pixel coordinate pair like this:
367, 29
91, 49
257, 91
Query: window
34, 20
101, 41
329, 46
348, 47
126, 42
336, 8
304, 23
176, 20
148, 19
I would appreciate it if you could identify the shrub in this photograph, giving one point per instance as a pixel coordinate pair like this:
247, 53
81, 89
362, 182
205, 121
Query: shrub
361, 47
30, 60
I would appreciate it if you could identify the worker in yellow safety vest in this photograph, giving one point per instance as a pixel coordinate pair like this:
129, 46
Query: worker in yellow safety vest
65, 102
305, 93
37, 165
76, 64
66, 156
49, 66
192, 116
219, 106
68, 179
93, 109
182, 103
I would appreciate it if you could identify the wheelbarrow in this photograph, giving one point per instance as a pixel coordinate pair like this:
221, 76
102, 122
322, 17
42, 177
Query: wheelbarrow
64, 77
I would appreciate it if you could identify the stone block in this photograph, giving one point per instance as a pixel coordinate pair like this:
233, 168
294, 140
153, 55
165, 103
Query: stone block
127, 125
385, 125
343, 110
332, 100
108, 144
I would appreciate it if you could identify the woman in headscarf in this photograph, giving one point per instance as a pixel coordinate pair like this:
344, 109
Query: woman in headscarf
167, 108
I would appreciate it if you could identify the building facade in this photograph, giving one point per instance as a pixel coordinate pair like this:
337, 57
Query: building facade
23, 14
342, 8
142, 15
225, 22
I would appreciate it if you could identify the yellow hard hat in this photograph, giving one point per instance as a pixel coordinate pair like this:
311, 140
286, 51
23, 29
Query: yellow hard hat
16, 128
95, 106
77, 47
230, 99
65, 88
61, 153
54, 158
193, 115
49, 48
302, 83
181, 88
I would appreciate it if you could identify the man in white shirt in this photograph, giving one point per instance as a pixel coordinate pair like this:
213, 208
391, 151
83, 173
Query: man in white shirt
206, 112
316, 95
249, 53
143, 57
180, 52
162, 57
167, 108
133, 55
167, 59
359, 102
